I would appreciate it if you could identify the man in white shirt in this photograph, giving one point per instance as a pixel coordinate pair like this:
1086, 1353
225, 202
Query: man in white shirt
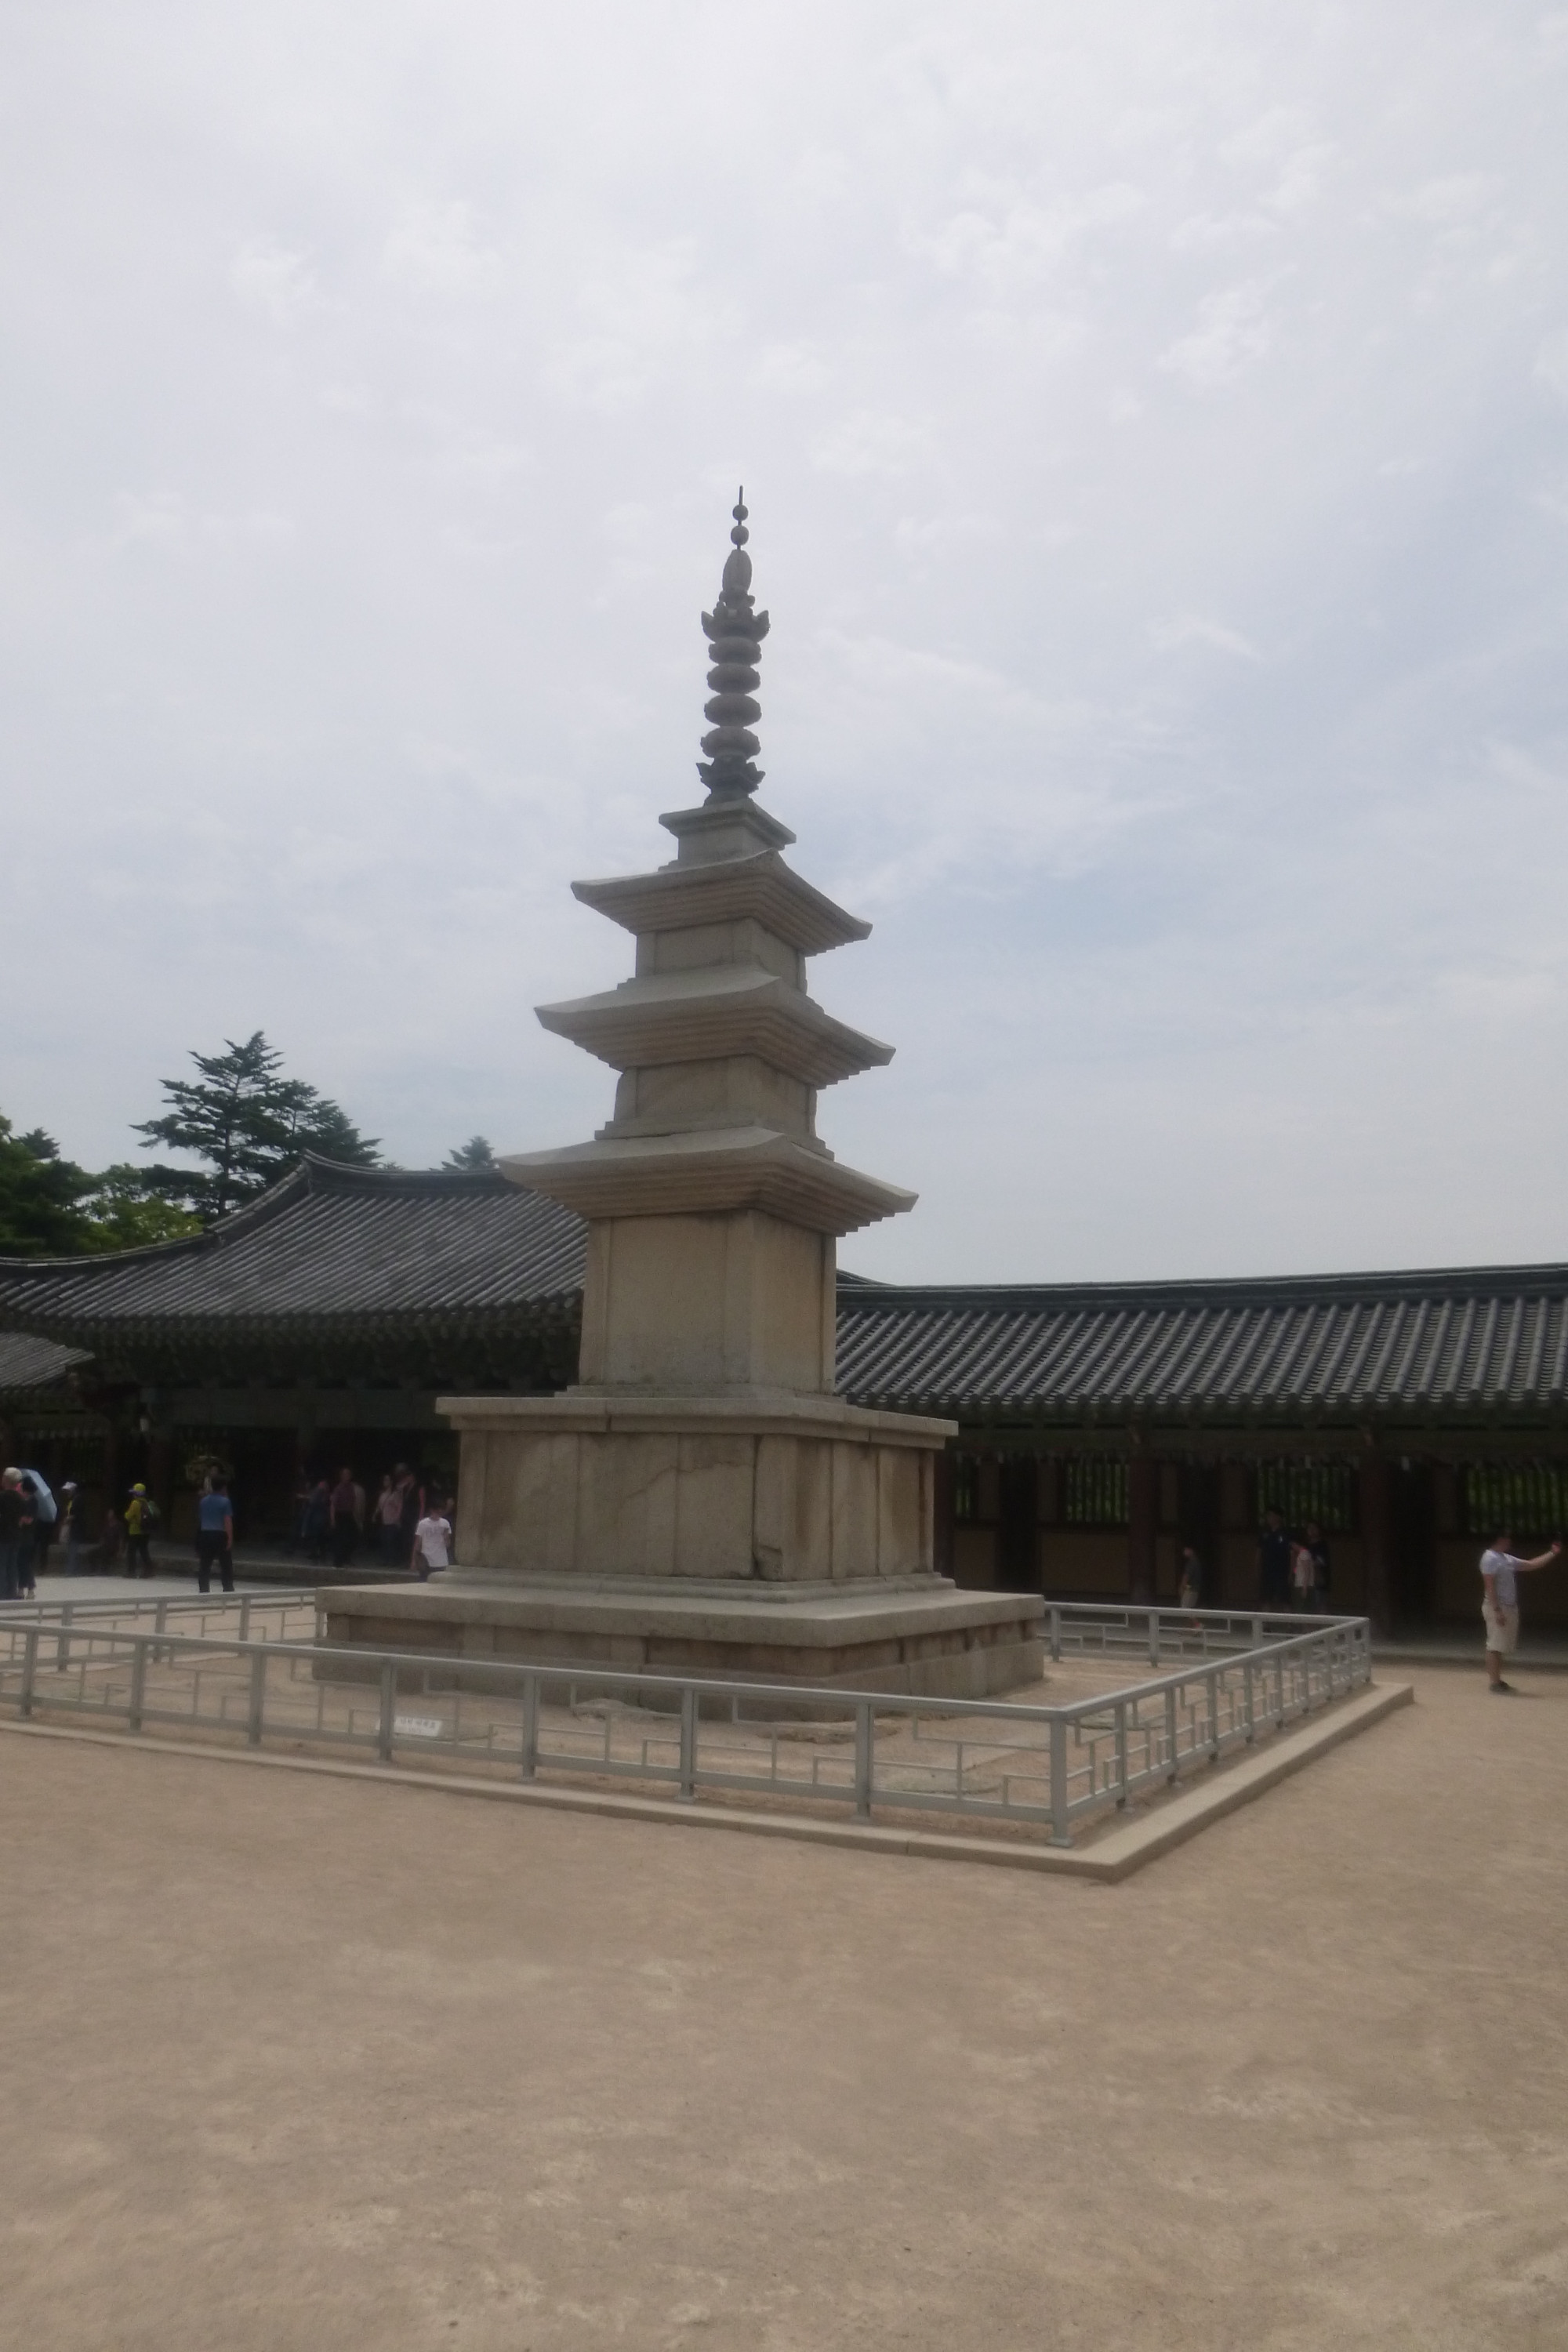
1500, 1608
431, 1538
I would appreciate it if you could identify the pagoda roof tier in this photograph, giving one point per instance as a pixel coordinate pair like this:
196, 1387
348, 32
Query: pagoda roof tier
708, 1173
712, 1013
761, 887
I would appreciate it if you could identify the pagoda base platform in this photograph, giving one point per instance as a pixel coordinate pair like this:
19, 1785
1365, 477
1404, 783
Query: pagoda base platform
760, 1537
918, 1635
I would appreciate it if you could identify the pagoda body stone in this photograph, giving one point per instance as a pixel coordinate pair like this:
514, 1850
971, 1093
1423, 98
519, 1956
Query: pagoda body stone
701, 1501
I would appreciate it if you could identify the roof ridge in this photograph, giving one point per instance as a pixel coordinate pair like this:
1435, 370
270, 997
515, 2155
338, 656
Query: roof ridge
1013, 1297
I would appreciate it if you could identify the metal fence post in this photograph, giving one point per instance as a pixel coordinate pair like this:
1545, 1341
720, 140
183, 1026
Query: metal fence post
687, 1745
1120, 1756
245, 1618
138, 1682
863, 1754
529, 1761
1153, 1637
1055, 1635
63, 1647
1171, 1733
1059, 1835
258, 1699
30, 1666
1246, 1698
1211, 1678
388, 1704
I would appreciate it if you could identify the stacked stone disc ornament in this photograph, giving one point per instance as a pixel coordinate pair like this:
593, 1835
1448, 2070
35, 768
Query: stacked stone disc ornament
734, 634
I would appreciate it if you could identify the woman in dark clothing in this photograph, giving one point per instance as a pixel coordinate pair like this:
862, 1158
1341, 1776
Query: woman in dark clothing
345, 1519
1312, 1538
318, 1522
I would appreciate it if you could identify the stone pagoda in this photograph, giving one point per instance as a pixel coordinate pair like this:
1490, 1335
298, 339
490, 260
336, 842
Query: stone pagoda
700, 1500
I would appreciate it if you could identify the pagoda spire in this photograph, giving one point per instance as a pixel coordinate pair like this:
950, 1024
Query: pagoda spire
734, 633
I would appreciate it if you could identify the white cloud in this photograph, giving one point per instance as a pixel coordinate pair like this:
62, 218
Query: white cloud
1551, 363
792, 369
437, 248
1147, 418
1231, 333
1193, 629
871, 441
280, 284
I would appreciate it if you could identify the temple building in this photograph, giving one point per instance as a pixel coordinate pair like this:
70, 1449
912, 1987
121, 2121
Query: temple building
658, 1312
1099, 1426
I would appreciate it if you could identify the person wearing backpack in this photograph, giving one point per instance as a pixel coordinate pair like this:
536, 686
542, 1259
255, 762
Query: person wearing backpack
40, 1501
141, 1520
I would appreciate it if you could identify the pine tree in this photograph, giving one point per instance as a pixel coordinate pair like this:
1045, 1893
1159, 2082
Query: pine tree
475, 1156
249, 1125
40, 1197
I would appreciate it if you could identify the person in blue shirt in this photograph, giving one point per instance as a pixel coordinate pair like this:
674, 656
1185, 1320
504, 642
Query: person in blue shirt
215, 1534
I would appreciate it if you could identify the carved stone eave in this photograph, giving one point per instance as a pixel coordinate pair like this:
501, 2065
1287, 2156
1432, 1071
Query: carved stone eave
708, 1173
761, 888
710, 1014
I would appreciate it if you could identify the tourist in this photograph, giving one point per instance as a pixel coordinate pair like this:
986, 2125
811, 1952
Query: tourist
413, 1504
78, 1535
45, 1518
27, 1581
141, 1519
1500, 1608
319, 1523
347, 1505
1313, 1537
1302, 1571
1273, 1562
10, 1533
298, 1526
1189, 1595
387, 1518
432, 1539
215, 1534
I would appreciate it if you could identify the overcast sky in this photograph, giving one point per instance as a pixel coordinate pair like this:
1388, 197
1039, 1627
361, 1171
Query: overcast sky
1153, 419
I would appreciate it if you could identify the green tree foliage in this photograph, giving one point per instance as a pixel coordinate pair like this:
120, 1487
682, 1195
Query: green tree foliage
474, 1155
123, 1214
40, 1197
247, 1126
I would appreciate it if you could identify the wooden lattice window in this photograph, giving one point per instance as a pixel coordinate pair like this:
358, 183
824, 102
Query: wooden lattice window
1094, 1491
1303, 1491
1523, 1498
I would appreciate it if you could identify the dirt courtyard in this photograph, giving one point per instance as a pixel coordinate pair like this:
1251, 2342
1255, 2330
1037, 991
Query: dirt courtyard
298, 2062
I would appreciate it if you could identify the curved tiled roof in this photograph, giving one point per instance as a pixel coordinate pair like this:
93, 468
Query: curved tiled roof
356, 1252
328, 1248
28, 1364
1482, 1339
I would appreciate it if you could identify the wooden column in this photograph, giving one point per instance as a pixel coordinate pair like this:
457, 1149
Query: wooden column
1376, 1505
1143, 1519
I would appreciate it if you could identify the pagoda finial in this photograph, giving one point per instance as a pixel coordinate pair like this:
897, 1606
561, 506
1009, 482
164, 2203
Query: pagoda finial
734, 634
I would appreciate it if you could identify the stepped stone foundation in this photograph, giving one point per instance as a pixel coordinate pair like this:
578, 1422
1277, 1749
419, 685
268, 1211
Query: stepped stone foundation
701, 1503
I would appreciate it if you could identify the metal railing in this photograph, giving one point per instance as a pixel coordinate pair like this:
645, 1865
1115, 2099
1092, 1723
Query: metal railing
251, 1610
995, 1764
1127, 1630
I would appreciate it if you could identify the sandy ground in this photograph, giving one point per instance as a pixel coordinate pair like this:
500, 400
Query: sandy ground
299, 2061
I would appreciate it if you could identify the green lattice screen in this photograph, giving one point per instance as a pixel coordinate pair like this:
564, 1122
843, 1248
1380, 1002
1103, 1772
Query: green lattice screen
1094, 1491
1522, 1497
1300, 1491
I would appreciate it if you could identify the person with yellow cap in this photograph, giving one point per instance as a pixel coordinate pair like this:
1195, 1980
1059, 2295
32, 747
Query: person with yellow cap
141, 1519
